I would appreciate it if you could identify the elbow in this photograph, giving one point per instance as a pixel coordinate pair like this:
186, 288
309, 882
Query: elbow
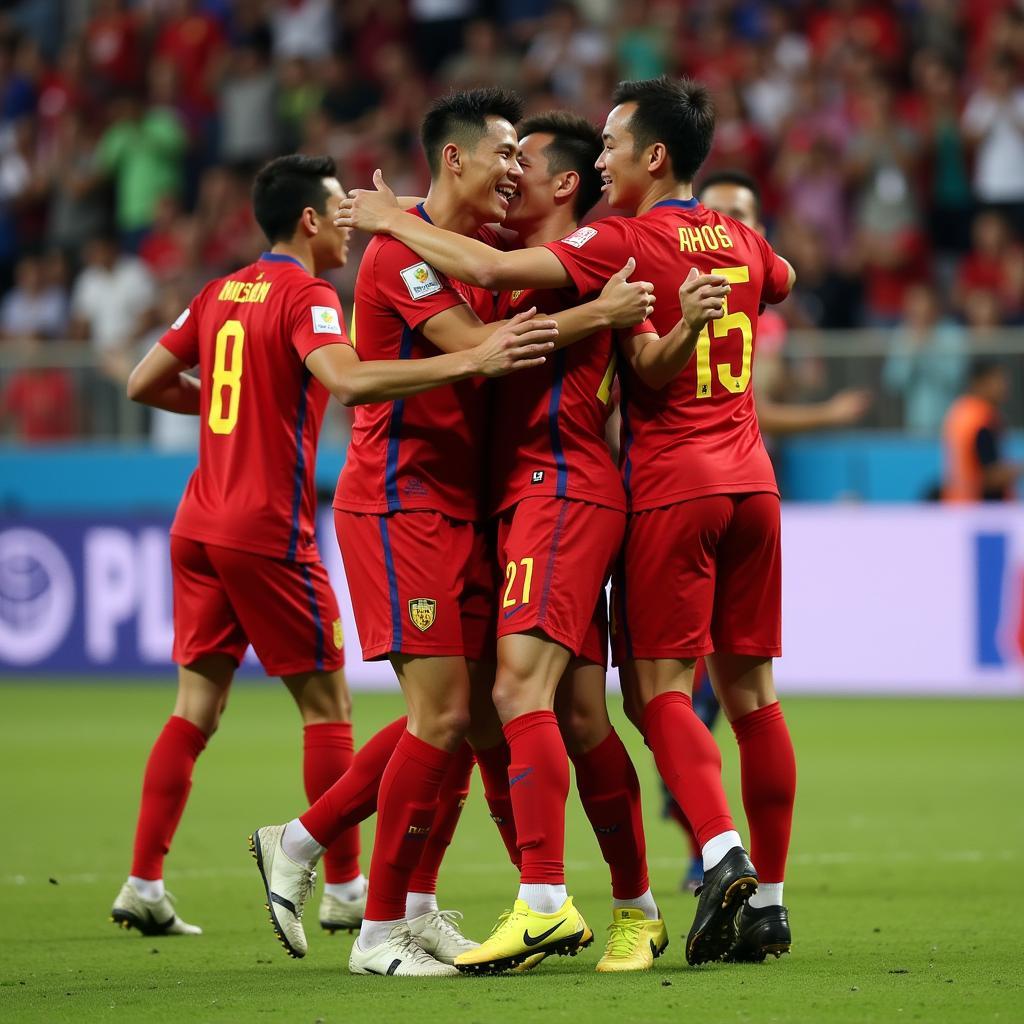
485, 274
135, 388
655, 380
346, 394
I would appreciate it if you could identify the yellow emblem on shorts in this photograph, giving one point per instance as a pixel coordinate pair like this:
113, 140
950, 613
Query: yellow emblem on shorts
516, 296
339, 636
422, 611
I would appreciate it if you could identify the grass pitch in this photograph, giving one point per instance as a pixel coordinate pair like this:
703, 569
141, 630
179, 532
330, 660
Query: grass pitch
903, 884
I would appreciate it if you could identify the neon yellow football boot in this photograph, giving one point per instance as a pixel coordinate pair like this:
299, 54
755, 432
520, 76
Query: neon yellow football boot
634, 942
522, 934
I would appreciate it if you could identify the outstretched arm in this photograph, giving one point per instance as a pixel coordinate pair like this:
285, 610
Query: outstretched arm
465, 259
160, 380
519, 344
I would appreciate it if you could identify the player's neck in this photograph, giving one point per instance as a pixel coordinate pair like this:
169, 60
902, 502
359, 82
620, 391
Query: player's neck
296, 252
559, 224
447, 211
660, 190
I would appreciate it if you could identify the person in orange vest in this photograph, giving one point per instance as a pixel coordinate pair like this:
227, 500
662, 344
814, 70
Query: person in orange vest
973, 440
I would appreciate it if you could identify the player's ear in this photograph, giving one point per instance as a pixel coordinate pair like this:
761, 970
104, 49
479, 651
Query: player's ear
309, 222
657, 159
567, 184
452, 158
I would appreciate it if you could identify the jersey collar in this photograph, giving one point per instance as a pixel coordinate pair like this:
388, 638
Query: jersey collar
422, 211
280, 257
684, 204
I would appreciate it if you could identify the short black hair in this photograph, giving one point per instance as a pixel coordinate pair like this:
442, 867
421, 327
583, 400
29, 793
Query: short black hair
462, 117
285, 187
675, 111
739, 179
575, 146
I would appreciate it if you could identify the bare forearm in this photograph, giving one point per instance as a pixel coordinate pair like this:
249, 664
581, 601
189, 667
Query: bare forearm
787, 418
180, 396
661, 360
385, 380
580, 322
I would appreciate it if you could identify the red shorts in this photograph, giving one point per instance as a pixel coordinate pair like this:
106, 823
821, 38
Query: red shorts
700, 576
420, 583
225, 599
557, 555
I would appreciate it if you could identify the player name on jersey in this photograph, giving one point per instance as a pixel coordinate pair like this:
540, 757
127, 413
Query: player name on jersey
244, 291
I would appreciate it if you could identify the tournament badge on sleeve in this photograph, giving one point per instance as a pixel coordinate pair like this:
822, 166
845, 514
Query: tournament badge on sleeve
422, 611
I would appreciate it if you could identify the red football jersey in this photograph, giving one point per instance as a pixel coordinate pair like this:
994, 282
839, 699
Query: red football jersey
425, 451
699, 434
547, 435
260, 408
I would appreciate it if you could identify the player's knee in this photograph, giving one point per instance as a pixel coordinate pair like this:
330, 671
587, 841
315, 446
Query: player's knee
582, 729
444, 727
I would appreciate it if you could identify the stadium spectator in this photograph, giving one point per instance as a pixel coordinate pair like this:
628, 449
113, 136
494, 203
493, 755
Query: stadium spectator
143, 151
113, 41
995, 264
976, 468
302, 28
247, 96
482, 61
926, 363
112, 300
562, 50
34, 307
38, 403
994, 122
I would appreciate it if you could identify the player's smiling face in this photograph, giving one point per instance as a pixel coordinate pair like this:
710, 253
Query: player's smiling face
624, 174
534, 198
490, 172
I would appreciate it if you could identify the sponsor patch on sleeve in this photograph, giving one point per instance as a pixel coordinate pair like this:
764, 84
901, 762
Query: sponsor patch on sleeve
180, 322
325, 320
579, 237
421, 279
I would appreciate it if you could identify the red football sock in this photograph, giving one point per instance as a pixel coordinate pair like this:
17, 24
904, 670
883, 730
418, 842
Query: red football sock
610, 793
493, 763
451, 799
406, 807
675, 812
768, 775
690, 763
165, 789
326, 756
538, 779
353, 798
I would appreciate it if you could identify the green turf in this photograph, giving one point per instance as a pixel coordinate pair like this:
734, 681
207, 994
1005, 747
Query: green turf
903, 883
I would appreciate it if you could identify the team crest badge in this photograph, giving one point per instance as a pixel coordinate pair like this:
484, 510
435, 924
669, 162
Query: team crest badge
517, 295
339, 636
422, 611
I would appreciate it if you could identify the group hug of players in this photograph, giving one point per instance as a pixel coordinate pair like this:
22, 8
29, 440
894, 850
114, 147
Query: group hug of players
479, 522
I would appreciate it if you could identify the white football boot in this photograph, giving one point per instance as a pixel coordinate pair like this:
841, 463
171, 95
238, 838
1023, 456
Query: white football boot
438, 932
337, 915
151, 917
288, 885
399, 955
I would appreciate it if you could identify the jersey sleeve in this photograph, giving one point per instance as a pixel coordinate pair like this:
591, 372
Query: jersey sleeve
181, 339
410, 285
776, 274
593, 253
318, 319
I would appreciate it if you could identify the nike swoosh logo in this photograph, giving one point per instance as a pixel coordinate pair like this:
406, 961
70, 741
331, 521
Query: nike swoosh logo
519, 777
532, 940
512, 611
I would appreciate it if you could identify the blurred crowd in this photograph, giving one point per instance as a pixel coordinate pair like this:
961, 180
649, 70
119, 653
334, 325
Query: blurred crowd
888, 139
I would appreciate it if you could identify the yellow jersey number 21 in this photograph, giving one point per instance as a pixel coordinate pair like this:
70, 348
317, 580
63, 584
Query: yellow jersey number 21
227, 377
738, 321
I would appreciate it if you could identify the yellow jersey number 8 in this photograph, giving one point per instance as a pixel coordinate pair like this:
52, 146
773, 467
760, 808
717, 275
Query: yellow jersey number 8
227, 376
733, 383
